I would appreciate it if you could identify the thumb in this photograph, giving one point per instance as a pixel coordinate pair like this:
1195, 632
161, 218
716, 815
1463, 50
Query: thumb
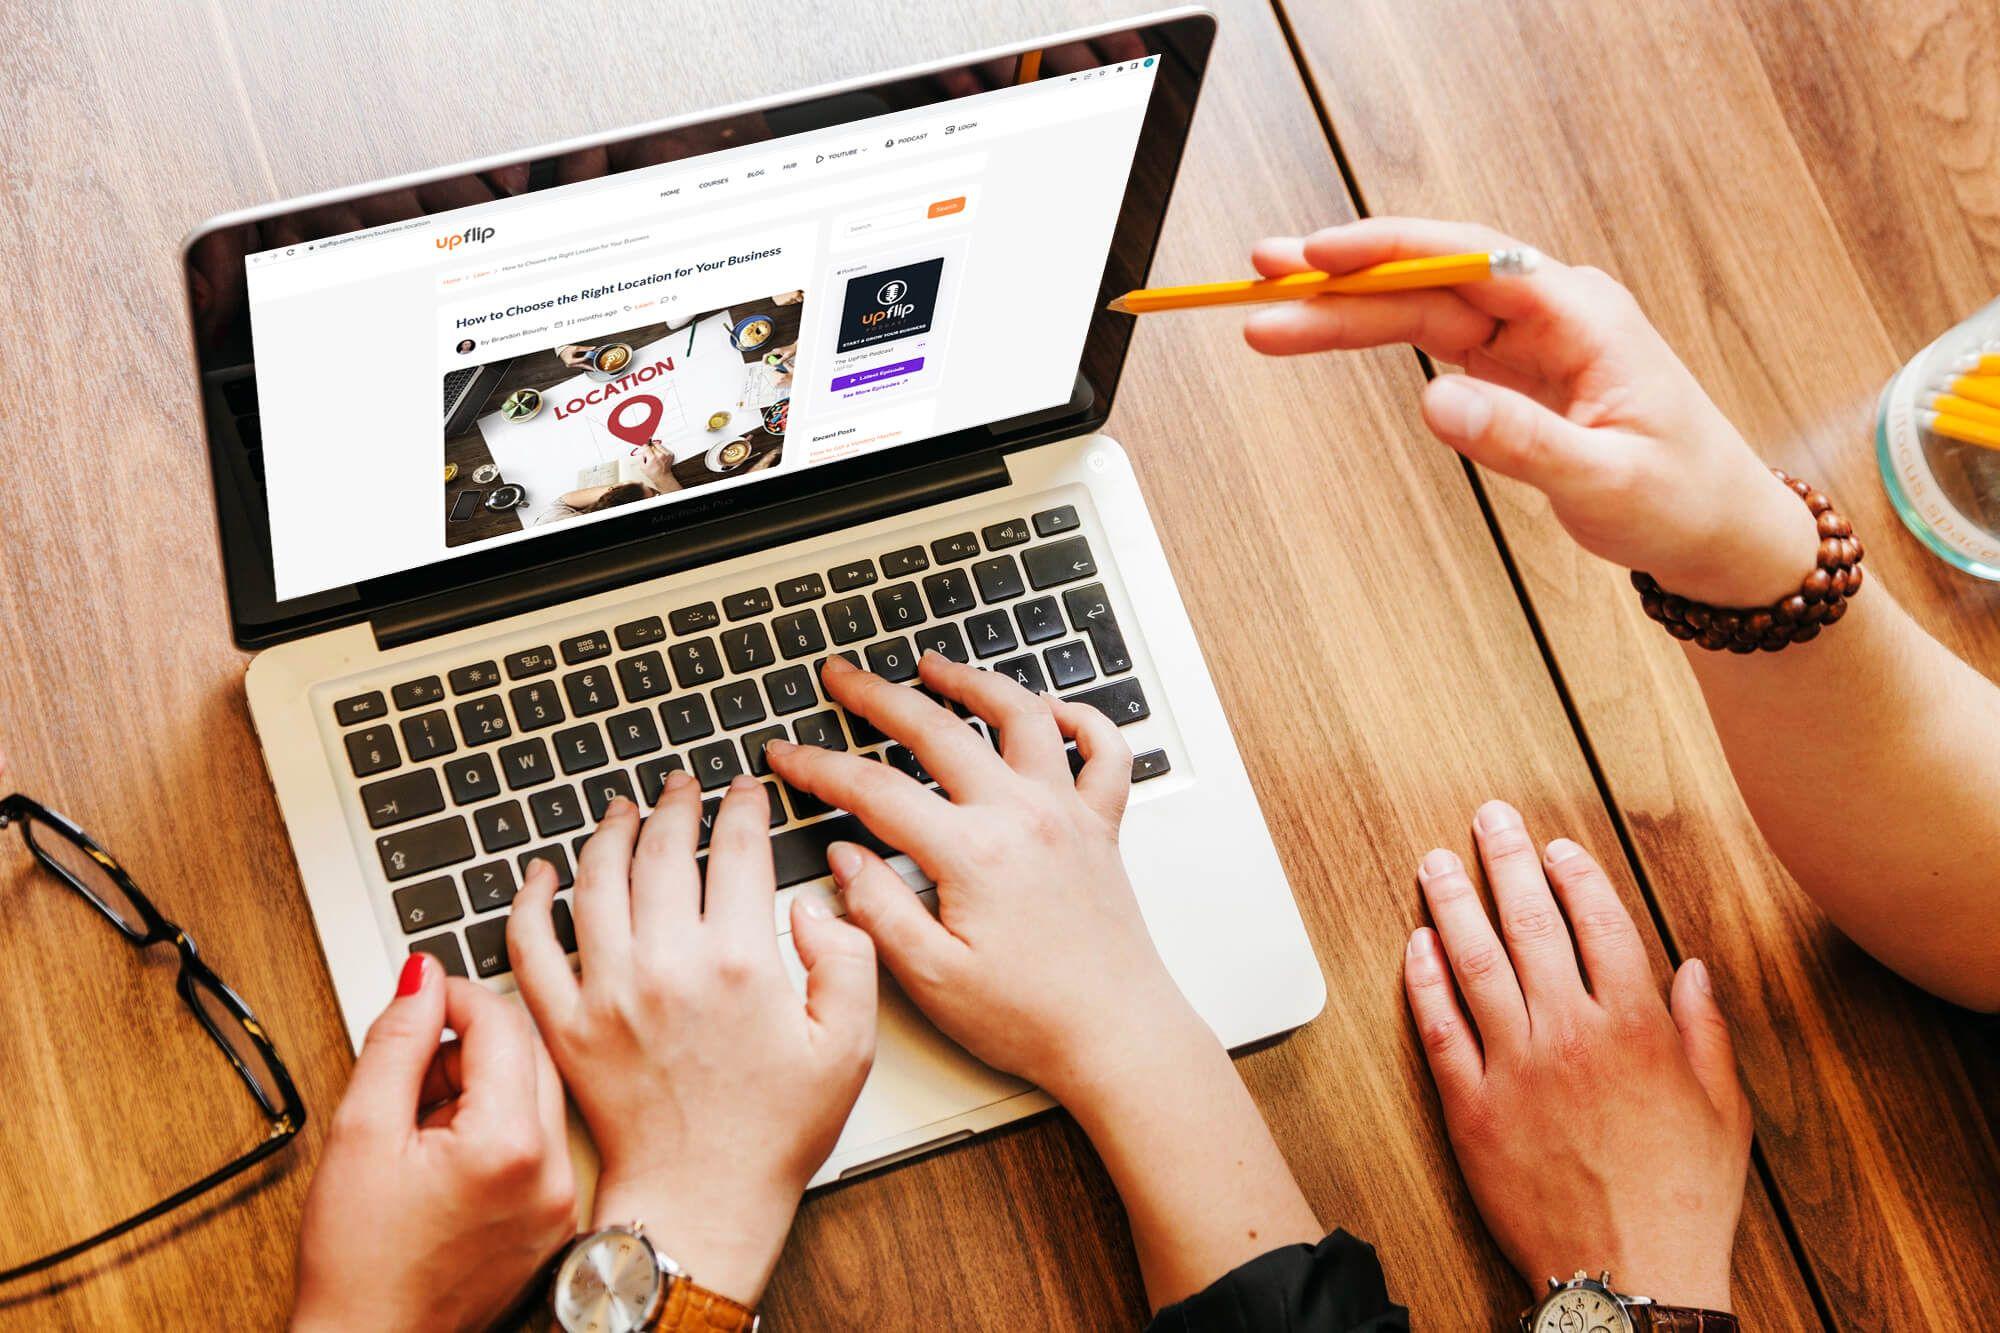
1705, 1038
908, 938
1509, 432
839, 960
388, 1079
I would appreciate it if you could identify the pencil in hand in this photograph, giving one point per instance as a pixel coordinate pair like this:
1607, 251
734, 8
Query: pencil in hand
1398, 275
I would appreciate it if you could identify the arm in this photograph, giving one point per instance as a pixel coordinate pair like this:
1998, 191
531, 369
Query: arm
1570, 389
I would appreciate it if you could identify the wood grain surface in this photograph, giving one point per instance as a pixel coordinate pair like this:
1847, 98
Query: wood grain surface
1360, 621
1801, 196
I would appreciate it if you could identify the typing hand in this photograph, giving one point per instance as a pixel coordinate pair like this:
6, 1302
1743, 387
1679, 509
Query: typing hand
1038, 961
445, 1183
1569, 388
1596, 1128
713, 1090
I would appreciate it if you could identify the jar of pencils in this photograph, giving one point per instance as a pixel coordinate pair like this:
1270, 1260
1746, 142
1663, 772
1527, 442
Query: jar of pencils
1937, 438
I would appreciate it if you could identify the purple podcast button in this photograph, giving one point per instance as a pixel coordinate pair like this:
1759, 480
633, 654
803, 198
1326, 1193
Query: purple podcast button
873, 373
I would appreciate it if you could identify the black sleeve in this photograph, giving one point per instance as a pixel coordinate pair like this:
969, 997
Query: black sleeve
1333, 1287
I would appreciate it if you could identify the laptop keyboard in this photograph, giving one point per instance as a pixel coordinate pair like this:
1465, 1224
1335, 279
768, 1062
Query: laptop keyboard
454, 385
467, 774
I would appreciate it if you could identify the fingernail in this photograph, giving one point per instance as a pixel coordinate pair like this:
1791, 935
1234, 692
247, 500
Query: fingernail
1438, 861
1455, 408
845, 860
412, 979
1496, 816
616, 806
1421, 944
743, 782
679, 778
1700, 971
930, 653
1561, 850
815, 909
838, 664
776, 746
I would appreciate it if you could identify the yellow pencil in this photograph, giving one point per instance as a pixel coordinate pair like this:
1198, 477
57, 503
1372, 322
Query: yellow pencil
1951, 405
1979, 388
1960, 429
1398, 275
1978, 363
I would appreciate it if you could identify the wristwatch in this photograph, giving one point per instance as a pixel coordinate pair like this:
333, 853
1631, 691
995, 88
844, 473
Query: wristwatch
1588, 1305
614, 1281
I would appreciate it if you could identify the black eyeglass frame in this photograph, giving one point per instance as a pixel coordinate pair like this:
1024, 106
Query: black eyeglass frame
286, 1113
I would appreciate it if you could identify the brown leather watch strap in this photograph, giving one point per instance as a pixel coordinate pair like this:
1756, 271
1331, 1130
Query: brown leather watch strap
1680, 1319
695, 1309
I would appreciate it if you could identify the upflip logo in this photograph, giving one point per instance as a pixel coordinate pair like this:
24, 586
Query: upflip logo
890, 304
470, 236
882, 307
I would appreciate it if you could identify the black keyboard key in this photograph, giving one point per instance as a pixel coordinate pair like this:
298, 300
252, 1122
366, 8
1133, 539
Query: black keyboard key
748, 648
791, 689
643, 676
1122, 701
738, 704
483, 719
904, 761
431, 903
530, 662
633, 734
799, 854
949, 592
695, 663
892, 659
777, 804
1011, 533
804, 804
849, 577
427, 735
558, 858
565, 925
526, 764
743, 605
693, 619
445, 949
638, 633
999, 578
653, 777
753, 749
1027, 670
821, 729
1065, 561
417, 693
1075, 757
605, 788
714, 765
372, 751
899, 606
1061, 519
909, 560
586, 647
491, 885
686, 718
804, 588
1039, 619
865, 733
1151, 764
944, 639
556, 811
580, 749
590, 691
472, 778
992, 633
799, 634
849, 620
537, 706
402, 798
1069, 664
948, 550
1090, 612
361, 708
413, 851
501, 826
487, 942
478, 676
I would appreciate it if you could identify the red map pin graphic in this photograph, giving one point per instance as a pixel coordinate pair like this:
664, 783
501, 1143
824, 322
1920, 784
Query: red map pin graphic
640, 432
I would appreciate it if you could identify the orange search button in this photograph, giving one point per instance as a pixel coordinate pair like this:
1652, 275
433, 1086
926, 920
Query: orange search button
946, 207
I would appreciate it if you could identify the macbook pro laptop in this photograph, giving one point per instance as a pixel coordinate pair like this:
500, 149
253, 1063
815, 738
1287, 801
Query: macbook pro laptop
820, 374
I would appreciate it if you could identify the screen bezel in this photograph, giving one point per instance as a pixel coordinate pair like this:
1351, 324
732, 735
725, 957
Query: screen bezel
226, 369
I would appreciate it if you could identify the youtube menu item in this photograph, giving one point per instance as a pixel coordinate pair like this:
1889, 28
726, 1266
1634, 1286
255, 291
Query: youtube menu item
894, 303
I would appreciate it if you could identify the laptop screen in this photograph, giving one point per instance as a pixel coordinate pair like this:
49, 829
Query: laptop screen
484, 363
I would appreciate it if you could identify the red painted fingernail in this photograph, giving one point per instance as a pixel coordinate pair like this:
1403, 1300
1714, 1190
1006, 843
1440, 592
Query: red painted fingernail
412, 979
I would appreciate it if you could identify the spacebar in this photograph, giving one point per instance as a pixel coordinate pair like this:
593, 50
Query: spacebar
799, 854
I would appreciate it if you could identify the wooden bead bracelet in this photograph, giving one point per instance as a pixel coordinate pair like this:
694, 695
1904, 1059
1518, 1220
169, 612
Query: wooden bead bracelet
1820, 600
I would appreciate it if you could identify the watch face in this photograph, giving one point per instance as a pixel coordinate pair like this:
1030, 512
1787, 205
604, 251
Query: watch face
608, 1284
1581, 1310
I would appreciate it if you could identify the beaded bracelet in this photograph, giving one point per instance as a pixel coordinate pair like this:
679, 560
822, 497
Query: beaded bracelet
1820, 600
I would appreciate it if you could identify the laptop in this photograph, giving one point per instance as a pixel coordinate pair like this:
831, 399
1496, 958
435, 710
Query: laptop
825, 373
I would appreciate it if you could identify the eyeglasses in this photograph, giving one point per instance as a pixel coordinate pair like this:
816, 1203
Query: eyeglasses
84, 866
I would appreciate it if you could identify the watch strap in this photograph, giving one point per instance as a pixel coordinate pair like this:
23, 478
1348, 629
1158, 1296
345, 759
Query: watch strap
1680, 1319
691, 1308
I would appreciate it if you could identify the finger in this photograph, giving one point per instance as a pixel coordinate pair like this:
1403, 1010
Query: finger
1705, 1038
1449, 1043
1277, 256
602, 896
497, 1057
741, 881
1518, 437
1485, 977
445, 1078
1614, 957
1369, 241
541, 968
666, 887
1105, 780
839, 959
1537, 939
557, 1173
1437, 320
915, 948
953, 753
396, 1055
1029, 740
899, 809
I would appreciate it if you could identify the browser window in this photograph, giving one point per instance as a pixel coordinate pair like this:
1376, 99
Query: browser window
489, 374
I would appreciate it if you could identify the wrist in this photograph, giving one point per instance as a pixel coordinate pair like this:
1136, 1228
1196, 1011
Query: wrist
1761, 545
726, 1239
1123, 1063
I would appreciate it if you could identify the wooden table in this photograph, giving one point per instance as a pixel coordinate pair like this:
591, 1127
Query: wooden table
1394, 638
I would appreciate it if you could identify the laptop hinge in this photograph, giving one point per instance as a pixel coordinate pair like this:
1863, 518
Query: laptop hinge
850, 506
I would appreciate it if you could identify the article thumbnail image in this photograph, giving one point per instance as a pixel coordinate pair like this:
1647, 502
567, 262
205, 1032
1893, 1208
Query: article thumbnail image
542, 438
